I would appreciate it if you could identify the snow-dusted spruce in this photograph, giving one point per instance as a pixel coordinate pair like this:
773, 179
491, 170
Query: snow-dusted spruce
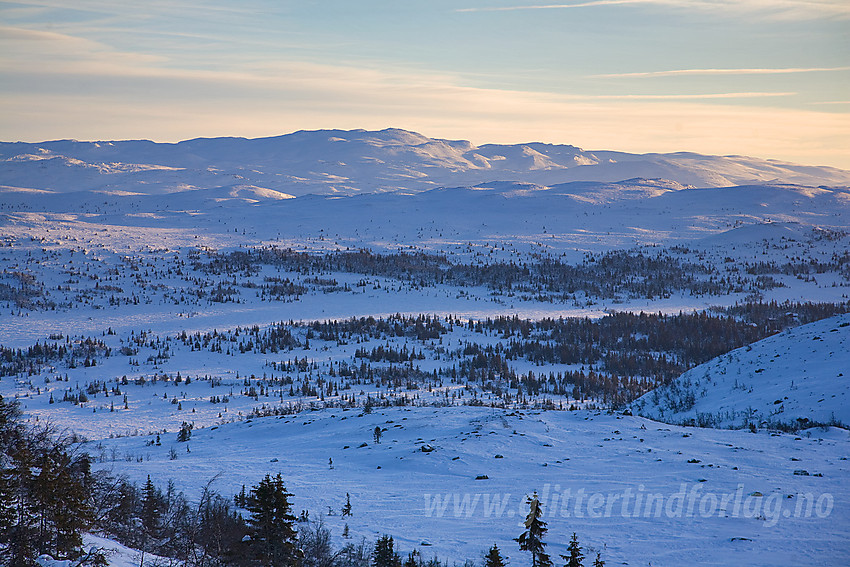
531, 539
575, 557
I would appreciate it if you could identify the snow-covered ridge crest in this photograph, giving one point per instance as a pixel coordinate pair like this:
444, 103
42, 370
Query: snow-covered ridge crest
357, 161
794, 379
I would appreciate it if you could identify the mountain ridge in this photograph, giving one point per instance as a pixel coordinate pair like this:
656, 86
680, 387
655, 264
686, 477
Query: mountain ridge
360, 161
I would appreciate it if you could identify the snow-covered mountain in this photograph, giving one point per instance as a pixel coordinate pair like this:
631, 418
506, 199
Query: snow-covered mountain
358, 161
794, 378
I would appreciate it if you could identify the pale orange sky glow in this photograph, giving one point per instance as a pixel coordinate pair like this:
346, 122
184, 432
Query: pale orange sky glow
111, 73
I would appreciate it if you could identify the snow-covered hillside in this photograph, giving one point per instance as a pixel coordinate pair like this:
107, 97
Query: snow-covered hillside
358, 161
450, 482
794, 378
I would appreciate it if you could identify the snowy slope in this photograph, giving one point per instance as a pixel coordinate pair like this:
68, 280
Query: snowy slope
798, 376
358, 161
421, 483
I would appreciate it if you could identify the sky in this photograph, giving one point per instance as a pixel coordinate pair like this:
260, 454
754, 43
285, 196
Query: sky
766, 78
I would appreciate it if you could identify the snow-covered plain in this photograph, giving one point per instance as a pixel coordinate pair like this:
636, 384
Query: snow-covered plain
109, 242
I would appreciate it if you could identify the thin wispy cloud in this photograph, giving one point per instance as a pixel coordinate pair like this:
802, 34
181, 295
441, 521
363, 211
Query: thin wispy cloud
590, 4
696, 72
779, 9
62, 55
167, 71
690, 96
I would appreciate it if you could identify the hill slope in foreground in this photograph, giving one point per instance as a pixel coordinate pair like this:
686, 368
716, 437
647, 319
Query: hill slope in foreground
451, 482
794, 378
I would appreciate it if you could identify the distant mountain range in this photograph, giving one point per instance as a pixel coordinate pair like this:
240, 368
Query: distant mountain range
341, 162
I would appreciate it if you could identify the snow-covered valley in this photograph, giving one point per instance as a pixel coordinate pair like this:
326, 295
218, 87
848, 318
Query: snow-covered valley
493, 311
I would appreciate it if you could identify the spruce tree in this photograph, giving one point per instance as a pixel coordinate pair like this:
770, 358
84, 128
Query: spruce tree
384, 555
151, 516
598, 561
9, 437
44, 492
494, 558
185, 432
271, 525
346, 508
411, 560
151, 508
532, 538
575, 557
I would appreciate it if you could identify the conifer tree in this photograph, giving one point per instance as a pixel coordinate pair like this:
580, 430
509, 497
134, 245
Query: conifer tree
151, 508
44, 492
575, 557
598, 561
384, 555
411, 559
346, 508
532, 538
494, 558
151, 515
9, 435
270, 527
185, 432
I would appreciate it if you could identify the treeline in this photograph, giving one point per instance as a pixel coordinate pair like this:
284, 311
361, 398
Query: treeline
420, 327
25, 292
33, 359
838, 263
607, 275
623, 355
611, 360
272, 339
279, 337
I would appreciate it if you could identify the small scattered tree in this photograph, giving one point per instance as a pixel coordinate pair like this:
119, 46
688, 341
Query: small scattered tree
377, 433
598, 561
575, 557
185, 432
532, 538
494, 558
346, 508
